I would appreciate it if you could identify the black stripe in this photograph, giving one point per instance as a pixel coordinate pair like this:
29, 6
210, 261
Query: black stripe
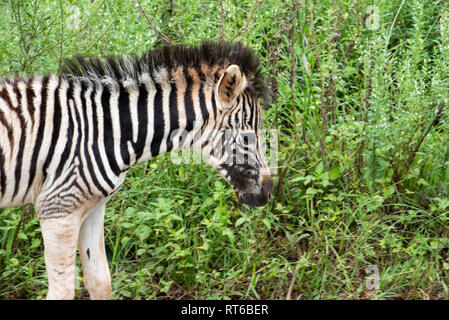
173, 111
8, 129
40, 131
142, 109
214, 106
244, 114
2, 173
19, 160
5, 96
252, 114
188, 103
30, 96
229, 121
203, 107
237, 112
96, 152
158, 122
126, 125
256, 120
107, 131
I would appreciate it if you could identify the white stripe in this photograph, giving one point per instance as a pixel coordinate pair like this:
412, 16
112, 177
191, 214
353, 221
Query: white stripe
116, 131
196, 141
146, 79
162, 77
181, 86
133, 99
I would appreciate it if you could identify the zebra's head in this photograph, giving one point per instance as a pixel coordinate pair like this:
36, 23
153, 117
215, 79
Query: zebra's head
236, 147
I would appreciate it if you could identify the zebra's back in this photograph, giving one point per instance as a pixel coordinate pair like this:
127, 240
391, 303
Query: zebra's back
47, 142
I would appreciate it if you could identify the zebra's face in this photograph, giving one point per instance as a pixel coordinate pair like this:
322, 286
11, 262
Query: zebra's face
237, 151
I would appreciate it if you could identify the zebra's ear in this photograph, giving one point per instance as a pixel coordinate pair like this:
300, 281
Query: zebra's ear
231, 84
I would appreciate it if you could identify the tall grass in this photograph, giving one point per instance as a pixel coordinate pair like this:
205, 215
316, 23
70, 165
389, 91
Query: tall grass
360, 100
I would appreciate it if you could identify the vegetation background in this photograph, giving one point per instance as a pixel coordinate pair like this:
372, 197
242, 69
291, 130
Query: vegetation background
360, 95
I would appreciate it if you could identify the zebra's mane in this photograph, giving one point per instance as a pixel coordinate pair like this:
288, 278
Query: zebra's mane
171, 57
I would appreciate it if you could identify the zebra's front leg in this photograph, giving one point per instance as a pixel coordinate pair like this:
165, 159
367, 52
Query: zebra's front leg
97, 278
60, 233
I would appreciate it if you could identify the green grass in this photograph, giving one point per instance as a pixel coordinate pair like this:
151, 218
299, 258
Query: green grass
363, 154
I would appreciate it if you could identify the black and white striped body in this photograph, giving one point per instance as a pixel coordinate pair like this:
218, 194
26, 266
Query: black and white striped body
72, 139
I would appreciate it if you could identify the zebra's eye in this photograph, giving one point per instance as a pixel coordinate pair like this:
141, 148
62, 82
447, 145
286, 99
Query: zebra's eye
251, 174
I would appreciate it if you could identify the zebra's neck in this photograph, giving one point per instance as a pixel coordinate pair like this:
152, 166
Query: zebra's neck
94, 129
156, 115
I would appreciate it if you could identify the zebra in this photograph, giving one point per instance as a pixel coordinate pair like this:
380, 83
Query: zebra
67, 140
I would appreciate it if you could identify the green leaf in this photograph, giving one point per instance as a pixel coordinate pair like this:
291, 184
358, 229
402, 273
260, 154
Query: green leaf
307, 179
266, 223
325, 179
127, 225
228, 232
240, 221
124, 240
313, 191
319, 169
387, 192
422, 182
131, 211
35, 243
175, 217
349, 71
334, 173
143, 232
22, 236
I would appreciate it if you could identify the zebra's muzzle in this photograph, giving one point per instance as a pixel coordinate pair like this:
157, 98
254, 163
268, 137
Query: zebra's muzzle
261, 195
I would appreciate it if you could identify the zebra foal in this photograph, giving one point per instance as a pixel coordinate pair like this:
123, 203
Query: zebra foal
68, 140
